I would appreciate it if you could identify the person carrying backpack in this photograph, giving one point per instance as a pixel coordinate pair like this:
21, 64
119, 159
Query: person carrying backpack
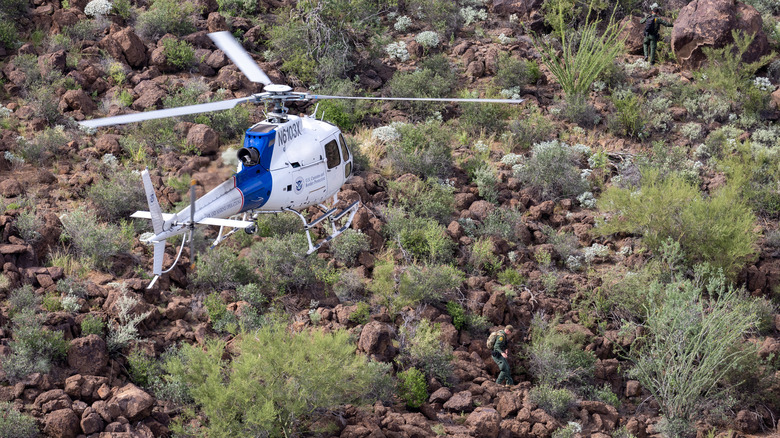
652, 24
500, 354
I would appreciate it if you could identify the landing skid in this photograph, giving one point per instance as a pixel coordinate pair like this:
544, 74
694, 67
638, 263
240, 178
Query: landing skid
332, 216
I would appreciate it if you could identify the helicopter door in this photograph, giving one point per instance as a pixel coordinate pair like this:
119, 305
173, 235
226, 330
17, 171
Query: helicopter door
333, 159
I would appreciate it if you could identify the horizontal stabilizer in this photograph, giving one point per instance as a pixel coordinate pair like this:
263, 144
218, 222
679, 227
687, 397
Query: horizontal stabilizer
148, 215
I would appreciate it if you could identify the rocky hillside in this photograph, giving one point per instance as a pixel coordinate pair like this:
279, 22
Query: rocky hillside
628, 228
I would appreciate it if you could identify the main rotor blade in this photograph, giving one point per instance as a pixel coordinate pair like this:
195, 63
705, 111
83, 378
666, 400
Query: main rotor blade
418, 99
159, 114
235, 51
192, 222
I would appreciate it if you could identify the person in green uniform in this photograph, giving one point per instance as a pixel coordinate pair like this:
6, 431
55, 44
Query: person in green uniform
652, 24
501, 355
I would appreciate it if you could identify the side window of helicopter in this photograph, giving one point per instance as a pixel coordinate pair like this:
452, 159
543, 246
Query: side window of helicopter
332, 154
344, 149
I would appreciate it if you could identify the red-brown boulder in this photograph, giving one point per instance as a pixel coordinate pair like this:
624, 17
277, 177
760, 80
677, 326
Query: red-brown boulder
62, 423
376, 341
88, 355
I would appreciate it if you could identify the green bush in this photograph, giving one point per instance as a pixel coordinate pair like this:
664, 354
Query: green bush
21, 299
166, 16
33, 348
486, 180
27, 224
458, 314
117, 196
9, 37
178, 53
125, 329
362, 314
629, 116
725, 72
553, 169
584, 56
483, 257
221, 268
142, 368
531, 128
422, 239
755, 170
430, 198
483, 118
242, 8
513, 72
276, 382
92, 325
346, 114
690, 343
555, 402
577, 109
43, 147
252, 294
14, 424
348, 246
222, 320
442, 15
718, 230
422, 348
555, 358
501, 222
14, 8
413, 284
96, 243
412, 387
282, 264
423, 150
435, 78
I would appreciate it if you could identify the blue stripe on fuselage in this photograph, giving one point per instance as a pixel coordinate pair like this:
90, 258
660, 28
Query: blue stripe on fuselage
255, 182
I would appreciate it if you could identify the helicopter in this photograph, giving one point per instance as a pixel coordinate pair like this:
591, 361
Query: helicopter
287, 163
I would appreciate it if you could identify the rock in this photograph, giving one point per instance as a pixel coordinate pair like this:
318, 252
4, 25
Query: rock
481, 209
633, 32
77, 100
460, 402
91, 422
10, 187
508, 404
518, 7
376, 341
216, 22
125, 45
747, 421
62, 423
633, 388
464, 200
108, 144
88, 355
53, 400
495, 307
54, 60
485, 421
133, 402
204, 139
709, 23
475, 69
441, 395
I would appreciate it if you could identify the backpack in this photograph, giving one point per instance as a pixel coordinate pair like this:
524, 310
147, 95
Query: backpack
491, 340
650, 27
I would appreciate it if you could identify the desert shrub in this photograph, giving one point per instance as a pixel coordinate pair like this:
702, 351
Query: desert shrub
243, 8
629, 117
577, 109
458, 314
502, 222
43, 147
513, 72
422, 348
142, 368
222, 320
283, 265
755, 170
22, 298
420, 239
423, 150
583, 57
441, 14
14, 8
96, 243
435, 78
350, 286
166, 16
344, 113
277, 225
725, 72
27, 225
531, 128
554, 401
276, 382
555, 358
486, 180
125, 329
717, 230
690, 343
553, 169
92, 325
315, 41
118, 195
348, 245
483, 118
483, 257
361, 314
221, 268
123, 9
429, 198
252, 294
33, 347
412, 387
413, 284
9, 37
14, 424
178, 53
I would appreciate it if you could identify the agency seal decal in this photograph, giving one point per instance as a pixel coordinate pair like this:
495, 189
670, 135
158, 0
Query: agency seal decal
298, 185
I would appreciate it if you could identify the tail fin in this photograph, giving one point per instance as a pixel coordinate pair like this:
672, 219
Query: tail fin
159, 254
154, 209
